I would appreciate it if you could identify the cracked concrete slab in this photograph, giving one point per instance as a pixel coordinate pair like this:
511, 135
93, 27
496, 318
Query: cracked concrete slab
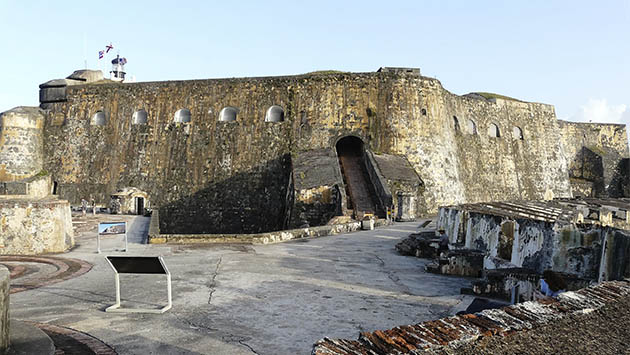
263, 299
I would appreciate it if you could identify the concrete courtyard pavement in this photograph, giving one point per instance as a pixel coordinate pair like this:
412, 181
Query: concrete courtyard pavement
244, 299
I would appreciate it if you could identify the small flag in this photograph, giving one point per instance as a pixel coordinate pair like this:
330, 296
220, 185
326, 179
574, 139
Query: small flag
109, 48
123, 61
101, 54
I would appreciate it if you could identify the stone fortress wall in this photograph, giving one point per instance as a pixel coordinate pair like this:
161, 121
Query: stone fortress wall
214, 176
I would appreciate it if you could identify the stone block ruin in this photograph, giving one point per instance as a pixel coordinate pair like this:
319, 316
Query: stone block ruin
509, 244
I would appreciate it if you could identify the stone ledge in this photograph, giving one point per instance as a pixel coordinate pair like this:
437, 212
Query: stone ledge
24, 201
260, 238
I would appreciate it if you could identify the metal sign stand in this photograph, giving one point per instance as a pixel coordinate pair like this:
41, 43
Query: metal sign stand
116, 307
98, 240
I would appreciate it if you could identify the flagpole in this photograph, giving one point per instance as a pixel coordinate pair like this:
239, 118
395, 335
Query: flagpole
85, 50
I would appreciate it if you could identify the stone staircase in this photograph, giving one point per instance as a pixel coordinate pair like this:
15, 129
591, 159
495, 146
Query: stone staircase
357, 185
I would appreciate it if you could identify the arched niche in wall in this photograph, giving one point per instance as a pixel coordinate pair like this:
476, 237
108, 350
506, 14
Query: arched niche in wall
517, 133
455, 123
274, 114
493, 131
182, 116
98, 119
228, 114
139, 117
471, 127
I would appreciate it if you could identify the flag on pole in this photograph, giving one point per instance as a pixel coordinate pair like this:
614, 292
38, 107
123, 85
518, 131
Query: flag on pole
101, 54
109, 47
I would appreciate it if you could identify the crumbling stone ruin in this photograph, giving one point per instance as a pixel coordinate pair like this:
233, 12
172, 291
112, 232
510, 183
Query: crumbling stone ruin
510, 244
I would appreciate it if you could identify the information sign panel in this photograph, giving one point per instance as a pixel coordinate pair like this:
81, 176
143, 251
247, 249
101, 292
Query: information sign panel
138, 265
111, 228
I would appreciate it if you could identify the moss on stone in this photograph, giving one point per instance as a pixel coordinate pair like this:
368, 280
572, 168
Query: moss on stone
490, 95
596, 150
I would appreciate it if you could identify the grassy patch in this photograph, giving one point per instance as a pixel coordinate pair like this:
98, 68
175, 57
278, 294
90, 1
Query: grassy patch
489, 95
325, 72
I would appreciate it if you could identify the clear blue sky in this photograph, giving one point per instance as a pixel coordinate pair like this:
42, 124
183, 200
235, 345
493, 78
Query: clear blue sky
572, 54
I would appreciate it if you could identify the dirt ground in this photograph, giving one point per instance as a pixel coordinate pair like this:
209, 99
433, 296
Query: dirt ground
604, 331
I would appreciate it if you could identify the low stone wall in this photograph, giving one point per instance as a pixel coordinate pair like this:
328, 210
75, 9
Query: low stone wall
155, 237
453, 332
383, 194
34, 187
316, 206
154, 225
4, 309
30, 227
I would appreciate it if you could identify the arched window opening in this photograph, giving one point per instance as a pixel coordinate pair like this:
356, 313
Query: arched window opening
182, 116
274, 114
424, 112
139, 117
517, 133
472, 127
493, 131
455, 123
99, 119
228, 114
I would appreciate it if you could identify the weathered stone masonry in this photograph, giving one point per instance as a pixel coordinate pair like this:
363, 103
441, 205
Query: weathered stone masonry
217, 177
598, 158
21, 142
31, 220
29, 227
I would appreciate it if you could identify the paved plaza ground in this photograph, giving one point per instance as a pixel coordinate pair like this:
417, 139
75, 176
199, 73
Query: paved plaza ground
244, 299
